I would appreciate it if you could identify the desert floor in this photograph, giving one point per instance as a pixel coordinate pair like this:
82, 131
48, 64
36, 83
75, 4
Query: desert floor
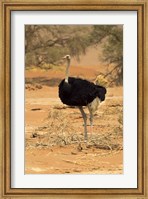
54, 137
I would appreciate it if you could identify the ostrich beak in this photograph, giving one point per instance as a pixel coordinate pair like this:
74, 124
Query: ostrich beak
64, 57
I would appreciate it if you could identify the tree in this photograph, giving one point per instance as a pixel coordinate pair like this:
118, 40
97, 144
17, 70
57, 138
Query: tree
111, 39
47, 44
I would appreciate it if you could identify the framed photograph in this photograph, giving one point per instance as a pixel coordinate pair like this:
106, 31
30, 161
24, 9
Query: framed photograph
73, 99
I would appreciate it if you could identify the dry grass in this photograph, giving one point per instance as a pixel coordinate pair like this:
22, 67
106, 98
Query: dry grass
59, 129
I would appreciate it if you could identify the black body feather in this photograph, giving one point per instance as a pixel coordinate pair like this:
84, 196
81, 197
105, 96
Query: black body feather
79, 92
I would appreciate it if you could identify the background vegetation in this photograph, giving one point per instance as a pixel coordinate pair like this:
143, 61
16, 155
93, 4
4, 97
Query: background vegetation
46, 44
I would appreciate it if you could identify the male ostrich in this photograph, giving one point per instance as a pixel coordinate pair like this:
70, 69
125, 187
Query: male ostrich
79, 92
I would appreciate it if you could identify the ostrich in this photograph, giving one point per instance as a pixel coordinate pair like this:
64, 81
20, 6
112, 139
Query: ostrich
79, 92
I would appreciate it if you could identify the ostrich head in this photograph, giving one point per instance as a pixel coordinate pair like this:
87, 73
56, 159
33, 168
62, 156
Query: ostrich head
67, 57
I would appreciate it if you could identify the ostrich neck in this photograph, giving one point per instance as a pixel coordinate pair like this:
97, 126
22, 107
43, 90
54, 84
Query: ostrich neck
67, 71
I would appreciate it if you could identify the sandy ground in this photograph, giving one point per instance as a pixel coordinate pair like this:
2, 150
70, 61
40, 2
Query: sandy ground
54, 132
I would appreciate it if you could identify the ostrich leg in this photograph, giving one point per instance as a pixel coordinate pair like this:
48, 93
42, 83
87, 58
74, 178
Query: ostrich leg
91, 119
85, 121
